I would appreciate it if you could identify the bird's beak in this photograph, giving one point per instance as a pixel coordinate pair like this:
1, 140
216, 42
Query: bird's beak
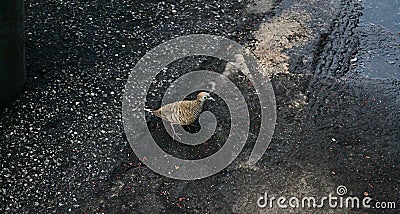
212, 99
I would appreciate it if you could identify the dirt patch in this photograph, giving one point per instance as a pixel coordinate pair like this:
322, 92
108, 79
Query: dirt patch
288, 30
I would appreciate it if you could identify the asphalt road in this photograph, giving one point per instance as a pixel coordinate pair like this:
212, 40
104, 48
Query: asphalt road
334, 67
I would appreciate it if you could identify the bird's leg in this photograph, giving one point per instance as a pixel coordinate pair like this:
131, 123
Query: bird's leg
194, 125
175, 134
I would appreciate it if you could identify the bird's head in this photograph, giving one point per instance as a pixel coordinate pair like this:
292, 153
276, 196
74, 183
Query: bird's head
203, 96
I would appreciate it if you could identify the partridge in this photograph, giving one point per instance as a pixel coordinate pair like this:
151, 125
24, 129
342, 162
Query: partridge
182, 112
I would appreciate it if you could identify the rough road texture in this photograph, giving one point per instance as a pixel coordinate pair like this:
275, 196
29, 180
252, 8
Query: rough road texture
62, 143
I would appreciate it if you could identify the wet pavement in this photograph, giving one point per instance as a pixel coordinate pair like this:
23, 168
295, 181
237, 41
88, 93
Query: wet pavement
380, 39
335, 71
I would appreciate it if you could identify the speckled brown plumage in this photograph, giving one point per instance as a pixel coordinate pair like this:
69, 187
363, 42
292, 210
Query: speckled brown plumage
183, 112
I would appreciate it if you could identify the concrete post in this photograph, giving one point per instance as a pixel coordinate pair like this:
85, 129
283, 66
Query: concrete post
12, 50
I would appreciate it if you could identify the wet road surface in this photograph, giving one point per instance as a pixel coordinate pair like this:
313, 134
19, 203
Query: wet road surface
334, 75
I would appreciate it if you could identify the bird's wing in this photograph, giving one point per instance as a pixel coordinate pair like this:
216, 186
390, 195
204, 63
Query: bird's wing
189, 111
170, 112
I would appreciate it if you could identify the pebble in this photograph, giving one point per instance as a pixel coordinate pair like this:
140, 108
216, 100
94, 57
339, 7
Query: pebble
354, 60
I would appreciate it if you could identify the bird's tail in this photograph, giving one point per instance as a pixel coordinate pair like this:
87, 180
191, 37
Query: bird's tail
149, 110
148, 117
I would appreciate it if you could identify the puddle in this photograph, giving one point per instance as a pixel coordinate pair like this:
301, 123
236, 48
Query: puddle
381, 22
379, 68
383, 12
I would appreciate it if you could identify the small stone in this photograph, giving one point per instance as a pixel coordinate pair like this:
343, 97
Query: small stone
354, 59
